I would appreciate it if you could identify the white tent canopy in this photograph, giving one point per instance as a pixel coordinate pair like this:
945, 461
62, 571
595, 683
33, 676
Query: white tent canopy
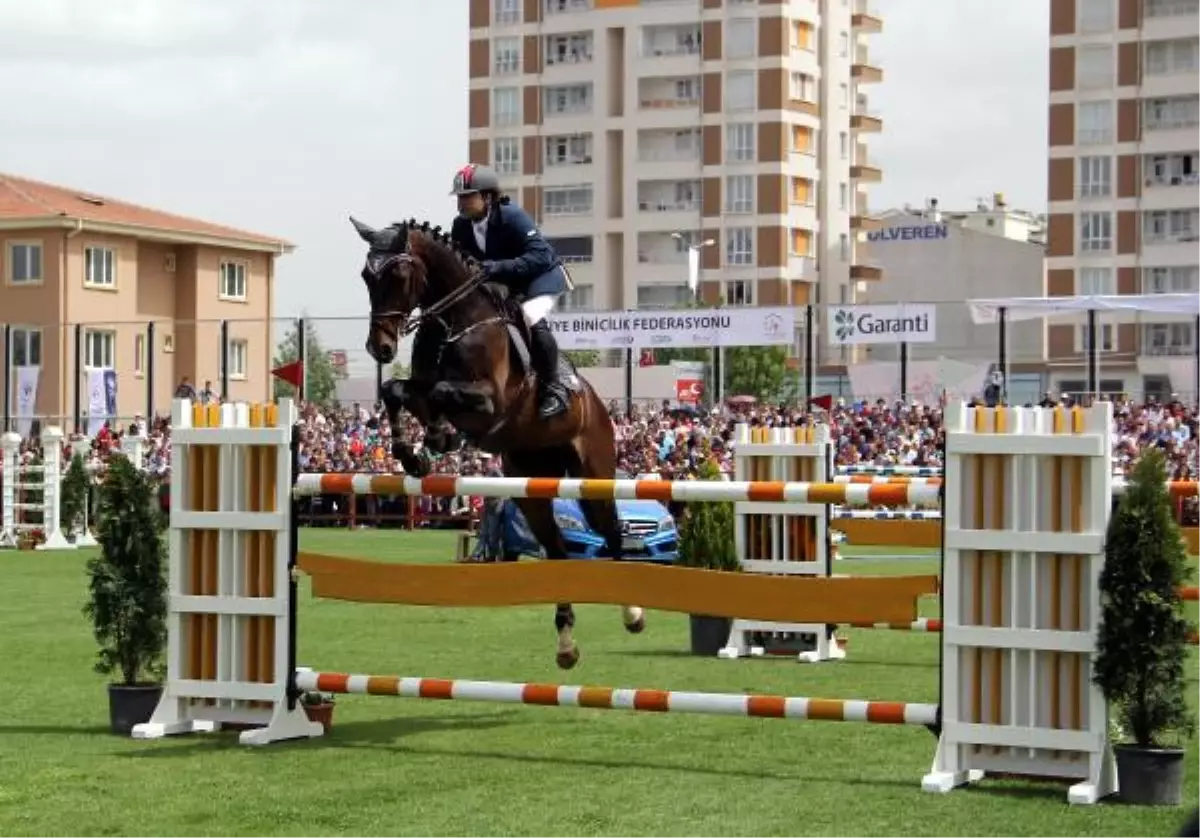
1031, 308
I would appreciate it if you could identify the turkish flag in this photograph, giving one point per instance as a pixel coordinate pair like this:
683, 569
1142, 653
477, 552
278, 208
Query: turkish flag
823, 402
292, 373
689, 390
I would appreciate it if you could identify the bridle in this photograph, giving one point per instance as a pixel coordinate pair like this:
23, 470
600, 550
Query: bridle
434, 311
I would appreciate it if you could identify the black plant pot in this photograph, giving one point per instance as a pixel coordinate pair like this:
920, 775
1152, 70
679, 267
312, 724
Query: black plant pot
709, 634
1150, 776
131, 705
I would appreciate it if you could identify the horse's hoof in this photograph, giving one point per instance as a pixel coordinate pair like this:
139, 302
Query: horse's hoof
567, 660
637, 626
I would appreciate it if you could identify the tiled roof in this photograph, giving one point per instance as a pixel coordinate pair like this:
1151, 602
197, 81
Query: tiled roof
22, 199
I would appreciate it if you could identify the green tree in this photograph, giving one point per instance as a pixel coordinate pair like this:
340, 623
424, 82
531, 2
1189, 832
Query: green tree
320, 378
584, 357
74, 496
758, 371
127, 581
1141, 648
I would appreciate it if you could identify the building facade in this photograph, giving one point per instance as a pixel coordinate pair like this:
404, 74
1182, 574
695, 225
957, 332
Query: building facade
638, 132
77, 266
1124, 187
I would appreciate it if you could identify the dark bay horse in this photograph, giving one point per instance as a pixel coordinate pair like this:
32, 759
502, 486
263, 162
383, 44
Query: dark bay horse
471, 372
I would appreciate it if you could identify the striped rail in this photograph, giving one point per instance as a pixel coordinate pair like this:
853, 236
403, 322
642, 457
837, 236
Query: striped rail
1176, 488
848, 494
886, 514
911, 471
609, 698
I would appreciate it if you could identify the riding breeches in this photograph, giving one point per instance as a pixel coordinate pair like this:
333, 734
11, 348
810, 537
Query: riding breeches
536, 309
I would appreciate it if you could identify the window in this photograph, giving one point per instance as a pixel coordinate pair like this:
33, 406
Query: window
506, 155
1180, 279
100, 267
844, 96
1164, 226
573, 249
1095, 126
1171, 8
579, 298
506, 105
99, 349
739, 292
1176, 112
1095, 15
568, 149
740, 35
739, 142
233, 281
569, 49
26, 349
239, 352
1181, 55
506, 11
567, 200
687, 90
506, 56
24, 263
1096, 281
739, 246
801, 87
1172, 169
843, 44
1106, 338
844, 145
801, 191
662, 295
573, 98
802, 35
1095, 177
843, 196
1095, 232
844, 247
801, 242
139, 354
802, 139
739, 90
1169, 338
739, 193
1094, 66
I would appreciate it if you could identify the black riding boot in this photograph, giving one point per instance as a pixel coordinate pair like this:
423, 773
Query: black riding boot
551, 399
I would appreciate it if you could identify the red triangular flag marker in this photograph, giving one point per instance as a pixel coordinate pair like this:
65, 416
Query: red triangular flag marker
292, 373
824, 402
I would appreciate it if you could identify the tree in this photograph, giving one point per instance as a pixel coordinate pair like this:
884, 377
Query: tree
1141, 648
320, 378
758, 371
584, 357
706, 534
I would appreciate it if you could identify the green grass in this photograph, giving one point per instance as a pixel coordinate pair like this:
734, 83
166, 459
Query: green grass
399, 767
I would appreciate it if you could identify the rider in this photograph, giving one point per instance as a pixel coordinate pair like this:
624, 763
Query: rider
514, 253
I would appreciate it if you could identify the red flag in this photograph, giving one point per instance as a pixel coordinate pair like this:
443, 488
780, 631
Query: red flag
292, 373
646, 358
823, 402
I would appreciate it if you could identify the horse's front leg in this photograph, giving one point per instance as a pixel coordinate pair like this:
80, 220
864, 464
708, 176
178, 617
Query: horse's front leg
410, 396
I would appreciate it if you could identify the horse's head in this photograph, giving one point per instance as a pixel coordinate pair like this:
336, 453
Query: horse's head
395, 282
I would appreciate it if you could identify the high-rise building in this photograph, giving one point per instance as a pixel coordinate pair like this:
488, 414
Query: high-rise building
636, 131
1124, 187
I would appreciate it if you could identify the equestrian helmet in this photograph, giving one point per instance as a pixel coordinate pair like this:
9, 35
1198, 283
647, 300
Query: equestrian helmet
474, 178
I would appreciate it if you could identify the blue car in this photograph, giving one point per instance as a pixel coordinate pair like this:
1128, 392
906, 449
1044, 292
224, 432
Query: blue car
647, 531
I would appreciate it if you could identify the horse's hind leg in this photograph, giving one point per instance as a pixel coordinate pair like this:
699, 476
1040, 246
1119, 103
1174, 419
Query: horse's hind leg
539, 515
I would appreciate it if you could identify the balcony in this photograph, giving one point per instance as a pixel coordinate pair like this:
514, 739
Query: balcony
864, 223
866, 174
801, 267
570, 50
866, 123
866, 273
560, 201
568, 150
669, 93
863, 19
863, 73
1171, 8
562, 7
1168, 340
670, 41
573, 100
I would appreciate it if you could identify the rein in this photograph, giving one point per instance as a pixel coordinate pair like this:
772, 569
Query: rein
438, 308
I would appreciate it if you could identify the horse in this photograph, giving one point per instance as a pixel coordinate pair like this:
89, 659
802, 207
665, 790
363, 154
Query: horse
471, 382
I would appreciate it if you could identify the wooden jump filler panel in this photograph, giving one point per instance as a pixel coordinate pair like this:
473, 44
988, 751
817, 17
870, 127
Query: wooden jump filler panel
230, 584
1026, 513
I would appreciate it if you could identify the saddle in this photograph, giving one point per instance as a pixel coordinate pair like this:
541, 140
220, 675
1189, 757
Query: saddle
519, 337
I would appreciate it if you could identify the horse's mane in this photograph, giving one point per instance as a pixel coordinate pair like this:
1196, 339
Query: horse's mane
433, 245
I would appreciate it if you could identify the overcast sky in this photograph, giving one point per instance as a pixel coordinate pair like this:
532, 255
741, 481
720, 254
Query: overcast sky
283, 116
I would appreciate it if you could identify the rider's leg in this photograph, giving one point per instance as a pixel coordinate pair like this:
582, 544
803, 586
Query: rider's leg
544, 347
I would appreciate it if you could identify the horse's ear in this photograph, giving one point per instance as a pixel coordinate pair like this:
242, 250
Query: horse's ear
365, 231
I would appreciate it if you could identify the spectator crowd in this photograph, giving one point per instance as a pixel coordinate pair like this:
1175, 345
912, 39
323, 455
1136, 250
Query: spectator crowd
671, 441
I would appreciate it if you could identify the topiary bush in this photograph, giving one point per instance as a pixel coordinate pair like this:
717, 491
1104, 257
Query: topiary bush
706, 534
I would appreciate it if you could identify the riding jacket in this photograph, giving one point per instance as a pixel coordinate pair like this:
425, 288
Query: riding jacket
515, 252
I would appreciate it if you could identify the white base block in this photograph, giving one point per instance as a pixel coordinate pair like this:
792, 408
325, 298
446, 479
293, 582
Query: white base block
285, 724
157, 730
1083, 794
944, 781
734, 652
86, 539
833, 652
56, 541
8, 539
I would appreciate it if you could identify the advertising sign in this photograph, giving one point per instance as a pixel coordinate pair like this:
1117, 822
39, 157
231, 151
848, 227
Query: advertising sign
894, 323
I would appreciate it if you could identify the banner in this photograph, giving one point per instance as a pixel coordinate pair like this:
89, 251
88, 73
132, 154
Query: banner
102, 399
684, 328
895, 323
27, 388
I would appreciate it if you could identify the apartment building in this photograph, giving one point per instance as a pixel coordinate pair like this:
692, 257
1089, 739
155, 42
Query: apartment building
638, 132
1124, 187
84, 276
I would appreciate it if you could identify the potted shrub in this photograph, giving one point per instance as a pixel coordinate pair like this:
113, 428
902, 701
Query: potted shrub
318, 706
127, 601
706, 540
74, 497
1142, 644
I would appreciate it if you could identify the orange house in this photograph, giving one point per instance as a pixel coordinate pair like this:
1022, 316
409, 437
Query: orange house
72, 259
